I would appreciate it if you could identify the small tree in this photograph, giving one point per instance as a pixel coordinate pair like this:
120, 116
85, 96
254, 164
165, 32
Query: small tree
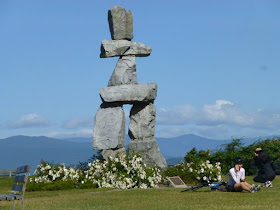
197, 156
227, 153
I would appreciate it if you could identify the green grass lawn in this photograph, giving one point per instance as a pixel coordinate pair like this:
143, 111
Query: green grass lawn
161, 198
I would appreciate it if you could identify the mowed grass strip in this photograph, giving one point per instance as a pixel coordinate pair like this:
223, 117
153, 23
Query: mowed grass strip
162, 198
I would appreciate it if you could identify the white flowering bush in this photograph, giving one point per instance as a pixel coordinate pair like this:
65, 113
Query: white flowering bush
46, 173
196, 172
205, 171
121, 172
197, 167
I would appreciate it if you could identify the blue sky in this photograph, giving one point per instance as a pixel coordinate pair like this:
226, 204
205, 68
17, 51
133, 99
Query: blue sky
216, 64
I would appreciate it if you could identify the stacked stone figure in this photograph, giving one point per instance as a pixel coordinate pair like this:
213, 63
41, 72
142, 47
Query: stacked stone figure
123, 88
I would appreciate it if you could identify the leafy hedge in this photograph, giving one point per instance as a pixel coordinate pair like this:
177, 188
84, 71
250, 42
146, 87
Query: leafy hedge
58, 185
197, 171
193, 169
227, 152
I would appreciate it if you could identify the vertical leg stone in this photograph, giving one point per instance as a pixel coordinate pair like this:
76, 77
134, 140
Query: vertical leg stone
142, 121
125, 72
109, 128
142, 132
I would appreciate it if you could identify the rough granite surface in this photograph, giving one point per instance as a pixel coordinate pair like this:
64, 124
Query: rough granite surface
120, 23
149, 151
129, 94
109, 128
113, 48
142, 121
125, 72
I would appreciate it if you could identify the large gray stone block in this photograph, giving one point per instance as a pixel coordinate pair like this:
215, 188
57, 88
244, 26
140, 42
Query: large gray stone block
120, 23
149, 151
113, 48
129, 94
109, 128
142, 121
125, 72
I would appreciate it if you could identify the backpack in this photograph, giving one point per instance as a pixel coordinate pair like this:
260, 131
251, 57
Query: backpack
276, 167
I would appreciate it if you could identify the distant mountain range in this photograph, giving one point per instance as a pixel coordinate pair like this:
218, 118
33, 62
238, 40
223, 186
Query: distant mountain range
20, 150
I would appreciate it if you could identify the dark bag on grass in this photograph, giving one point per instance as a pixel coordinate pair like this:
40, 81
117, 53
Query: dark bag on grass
276, 167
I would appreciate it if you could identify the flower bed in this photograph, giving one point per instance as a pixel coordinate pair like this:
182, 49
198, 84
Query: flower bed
122, 172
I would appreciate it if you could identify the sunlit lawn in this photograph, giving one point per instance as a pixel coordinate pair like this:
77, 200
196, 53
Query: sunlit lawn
162, 198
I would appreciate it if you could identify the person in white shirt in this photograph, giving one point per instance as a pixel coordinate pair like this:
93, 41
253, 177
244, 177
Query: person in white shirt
236, 181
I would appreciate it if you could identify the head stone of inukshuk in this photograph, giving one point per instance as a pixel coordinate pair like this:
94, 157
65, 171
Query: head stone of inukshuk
123, 88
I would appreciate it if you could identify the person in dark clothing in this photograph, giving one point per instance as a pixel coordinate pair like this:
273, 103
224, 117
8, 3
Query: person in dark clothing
266, 173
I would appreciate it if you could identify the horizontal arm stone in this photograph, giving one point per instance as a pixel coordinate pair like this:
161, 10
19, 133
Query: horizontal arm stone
129, 94
113, 48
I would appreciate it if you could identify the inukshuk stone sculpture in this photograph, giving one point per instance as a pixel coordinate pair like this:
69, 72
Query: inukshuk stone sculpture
123, 88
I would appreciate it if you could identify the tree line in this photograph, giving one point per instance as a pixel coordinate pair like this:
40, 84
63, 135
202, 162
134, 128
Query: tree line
226, 153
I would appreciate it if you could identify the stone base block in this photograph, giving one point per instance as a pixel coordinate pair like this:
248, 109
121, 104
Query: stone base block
111, 153
149, 151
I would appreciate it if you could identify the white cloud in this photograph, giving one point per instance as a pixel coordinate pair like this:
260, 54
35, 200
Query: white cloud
63, 134
223, 119
222, 112
29, 121
177, 115
82, 122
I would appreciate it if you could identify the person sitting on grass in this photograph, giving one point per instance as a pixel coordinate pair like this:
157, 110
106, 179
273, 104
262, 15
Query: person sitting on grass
236, 181
266, 173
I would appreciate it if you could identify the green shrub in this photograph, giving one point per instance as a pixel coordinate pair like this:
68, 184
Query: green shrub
227, 153
272, 146
189, 170
56, 185
235, 148
196, 168
197, 156
198, 171
181, 171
